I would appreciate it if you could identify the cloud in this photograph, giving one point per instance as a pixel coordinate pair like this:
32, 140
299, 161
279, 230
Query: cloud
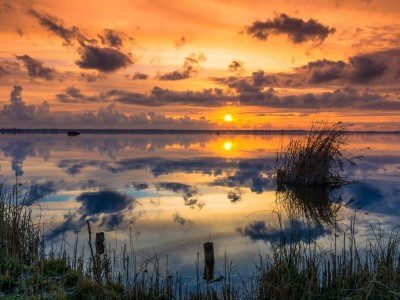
18, 110
297, 30
157, 97
70, 224
235, 195
102, 59
108, 206
235, 67
8, 68
103, 202
366, 68
112, 38
191, 66
41, 116
292, 231
18, 151
180, 42
36, 69
140, 186
140, 76
321, 71
179, 219
189, 193
56, 26
74, 95
378, 68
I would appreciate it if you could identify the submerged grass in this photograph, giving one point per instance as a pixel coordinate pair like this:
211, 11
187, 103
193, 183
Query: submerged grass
317, 159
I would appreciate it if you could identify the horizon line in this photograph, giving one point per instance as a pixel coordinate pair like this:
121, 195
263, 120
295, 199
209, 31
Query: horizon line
158, 130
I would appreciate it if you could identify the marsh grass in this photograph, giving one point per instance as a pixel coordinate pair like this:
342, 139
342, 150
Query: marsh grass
318, 159
366, 270
27, 272
295, 270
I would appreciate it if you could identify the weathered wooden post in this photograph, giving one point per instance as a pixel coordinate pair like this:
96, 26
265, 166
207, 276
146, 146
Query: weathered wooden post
100, 246
208, 261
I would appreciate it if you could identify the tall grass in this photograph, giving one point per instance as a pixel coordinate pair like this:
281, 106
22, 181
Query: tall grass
291, 270
317, 159
365, 270
27, 272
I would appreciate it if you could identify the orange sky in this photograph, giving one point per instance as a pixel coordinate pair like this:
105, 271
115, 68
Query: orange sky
186, 64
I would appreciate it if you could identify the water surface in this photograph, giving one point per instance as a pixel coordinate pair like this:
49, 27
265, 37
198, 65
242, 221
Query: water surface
170, 193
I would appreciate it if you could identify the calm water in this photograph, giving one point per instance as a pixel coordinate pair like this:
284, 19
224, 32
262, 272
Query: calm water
172, 193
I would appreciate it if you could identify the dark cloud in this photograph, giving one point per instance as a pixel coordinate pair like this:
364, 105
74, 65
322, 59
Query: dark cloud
102, 59
140, 76
160, 97
36, 69
235, 67
56, 26
140, 186
180, 42
39, 190
70, 224
74, 95
366, 68
321, 71
191, 66
298, 30
190, 194
179, 219
235, 195
106, 206
292, 231
94, 203
40, 115
91, 77
112, 221
112, 38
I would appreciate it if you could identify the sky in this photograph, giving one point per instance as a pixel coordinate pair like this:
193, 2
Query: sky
133, 64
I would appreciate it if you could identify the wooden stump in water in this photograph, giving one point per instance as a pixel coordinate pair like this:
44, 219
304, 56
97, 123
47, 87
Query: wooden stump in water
100, 243
208, 261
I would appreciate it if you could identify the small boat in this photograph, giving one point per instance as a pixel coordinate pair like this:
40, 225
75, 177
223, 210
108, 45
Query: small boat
73, 133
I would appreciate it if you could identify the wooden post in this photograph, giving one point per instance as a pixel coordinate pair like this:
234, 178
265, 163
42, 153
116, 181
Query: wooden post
100, 246
208, 261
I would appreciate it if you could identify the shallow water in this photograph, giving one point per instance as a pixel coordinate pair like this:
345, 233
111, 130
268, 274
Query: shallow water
168, 194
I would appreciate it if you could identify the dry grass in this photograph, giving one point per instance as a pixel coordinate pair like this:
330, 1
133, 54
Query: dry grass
317, 159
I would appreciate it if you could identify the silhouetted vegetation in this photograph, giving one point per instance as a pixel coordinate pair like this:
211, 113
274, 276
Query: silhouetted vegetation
317, 159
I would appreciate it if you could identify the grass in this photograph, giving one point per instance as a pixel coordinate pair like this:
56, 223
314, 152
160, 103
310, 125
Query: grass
27, 272
295, 270
357, 271
318, 159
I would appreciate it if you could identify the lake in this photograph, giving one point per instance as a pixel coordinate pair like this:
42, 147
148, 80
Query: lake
167, 194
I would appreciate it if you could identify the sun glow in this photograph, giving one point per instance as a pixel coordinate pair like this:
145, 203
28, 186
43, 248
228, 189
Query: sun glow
228, 118
227, 146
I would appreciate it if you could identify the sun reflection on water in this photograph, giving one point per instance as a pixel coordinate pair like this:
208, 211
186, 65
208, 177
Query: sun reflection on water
228, 145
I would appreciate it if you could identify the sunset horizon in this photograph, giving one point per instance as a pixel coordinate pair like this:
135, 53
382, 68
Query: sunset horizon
191, 65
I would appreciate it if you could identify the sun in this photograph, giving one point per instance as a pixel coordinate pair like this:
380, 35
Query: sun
228, 118
227, 146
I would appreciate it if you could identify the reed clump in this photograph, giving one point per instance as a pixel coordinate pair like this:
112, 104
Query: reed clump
318, 159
